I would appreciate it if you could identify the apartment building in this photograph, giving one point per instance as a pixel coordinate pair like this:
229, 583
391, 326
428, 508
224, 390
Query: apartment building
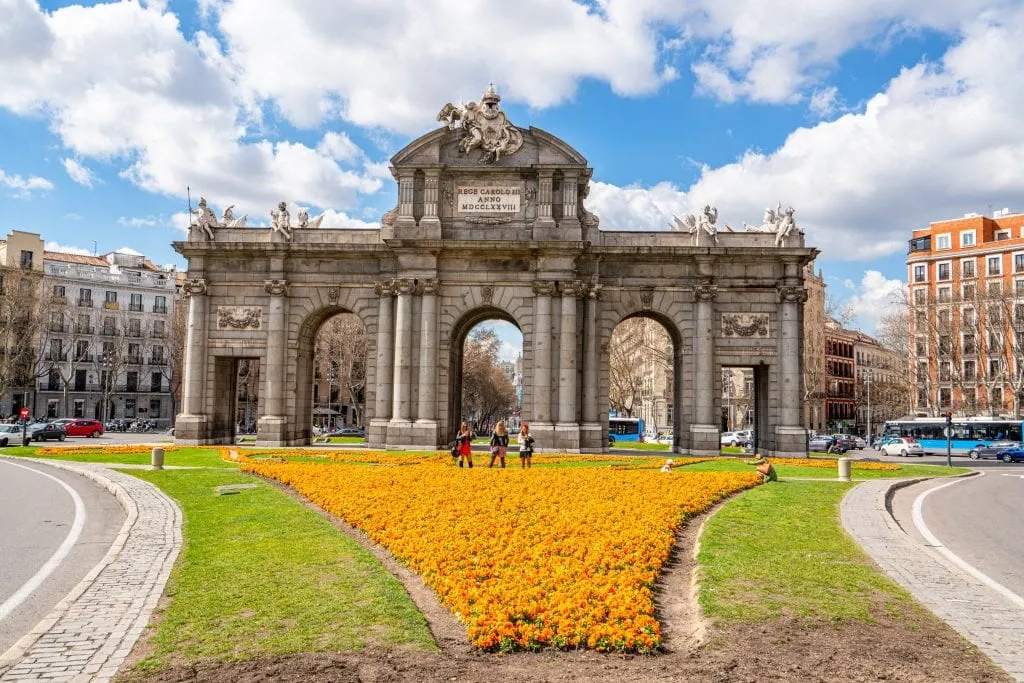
881, 384
815, 415
104, 338
966, 291
840, 377
21, 271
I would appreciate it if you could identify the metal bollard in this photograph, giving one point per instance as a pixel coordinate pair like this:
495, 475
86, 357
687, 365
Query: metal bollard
157, 459
844, 469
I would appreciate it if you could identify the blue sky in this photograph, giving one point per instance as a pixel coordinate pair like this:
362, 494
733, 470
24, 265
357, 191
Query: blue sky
871, 117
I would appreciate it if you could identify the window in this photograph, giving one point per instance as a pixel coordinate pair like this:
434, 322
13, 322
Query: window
53, 380
970, 370
155, 381
1018, 313
56, 349
109, 328
970, 345
79, 408
942, 318
136, 303
1002, 235
995, 288
944, 271
945, 295
944, 398
969, 292
945, 344
158, 329
85, 297
943, 242
945, 371
158, 354
26, 259
997, 398
967, 267
922, 371
994, 265
1018, 287
108, 350
921, 346
1018, 263
51, 408
922, 397
995, 341
82, 351
160, 305
995, 315
920, 273
133, 354
135, 328
129, 406
154, 408
993, 368
967, 238
970, 400
131, 382
111, 297
58, 290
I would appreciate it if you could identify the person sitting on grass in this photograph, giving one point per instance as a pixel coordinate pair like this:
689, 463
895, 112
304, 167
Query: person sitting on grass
764, 468
667, 467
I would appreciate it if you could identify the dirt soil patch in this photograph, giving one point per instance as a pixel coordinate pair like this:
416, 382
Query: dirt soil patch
909, 646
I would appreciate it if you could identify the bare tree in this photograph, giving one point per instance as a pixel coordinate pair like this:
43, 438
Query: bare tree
340, 353
893, 388
20, 320
487, 393
638, 347
839, 310
175, 334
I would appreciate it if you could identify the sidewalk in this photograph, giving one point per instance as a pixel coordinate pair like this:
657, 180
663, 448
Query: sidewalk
89, 634
982, 616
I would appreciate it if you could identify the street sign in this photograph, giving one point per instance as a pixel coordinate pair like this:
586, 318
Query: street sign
948, 432
24, 412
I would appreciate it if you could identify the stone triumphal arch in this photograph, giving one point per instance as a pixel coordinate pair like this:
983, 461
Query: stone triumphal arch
491, 222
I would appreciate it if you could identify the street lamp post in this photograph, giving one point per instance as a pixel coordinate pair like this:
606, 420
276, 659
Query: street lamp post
867, 381
727, 385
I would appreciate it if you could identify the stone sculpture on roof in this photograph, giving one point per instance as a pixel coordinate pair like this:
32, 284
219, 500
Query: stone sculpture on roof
781, 221
698, 224
281, 221
207, 220
306, 222
483, 125
228, 220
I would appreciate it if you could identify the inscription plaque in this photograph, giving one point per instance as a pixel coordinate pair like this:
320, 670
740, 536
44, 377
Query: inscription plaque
489, 199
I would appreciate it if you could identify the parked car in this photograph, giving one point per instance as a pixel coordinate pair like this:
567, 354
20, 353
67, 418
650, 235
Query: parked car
1013, 454
734, 439
984, 452
82, 427
44, 431
860, 442
848, 441
902, 446
9, 434
820, 443
348, 431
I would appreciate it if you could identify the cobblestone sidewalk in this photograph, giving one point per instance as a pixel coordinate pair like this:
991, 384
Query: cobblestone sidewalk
90, 633
987, 619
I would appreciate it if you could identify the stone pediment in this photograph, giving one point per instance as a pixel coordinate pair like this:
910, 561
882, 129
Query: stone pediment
441, 147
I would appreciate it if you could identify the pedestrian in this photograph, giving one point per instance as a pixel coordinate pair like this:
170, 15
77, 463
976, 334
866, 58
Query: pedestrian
464, 440
667, 467
499, 444
525, 446
764, 468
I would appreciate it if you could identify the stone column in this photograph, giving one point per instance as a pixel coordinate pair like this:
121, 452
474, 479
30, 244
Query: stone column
406, 196
591, 438
384, 361
273, 423
430, 196
569, 197
790, 435
545, 219
427, 409
704, 438
401, 405
567, 430
542, 353
191, 426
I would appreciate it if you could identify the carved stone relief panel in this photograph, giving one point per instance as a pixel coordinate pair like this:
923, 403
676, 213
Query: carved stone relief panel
750, 325
239, 317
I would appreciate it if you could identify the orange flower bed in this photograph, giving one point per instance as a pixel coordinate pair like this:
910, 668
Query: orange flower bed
557, 557
831, 464
130, 449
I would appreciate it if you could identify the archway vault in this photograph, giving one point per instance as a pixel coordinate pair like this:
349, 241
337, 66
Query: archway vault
478, 235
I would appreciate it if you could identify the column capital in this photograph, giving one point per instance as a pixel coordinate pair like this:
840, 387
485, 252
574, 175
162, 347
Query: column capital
594, 292
276, 287
428, 287
402, 286
384, 288
705, 292
194, 286
792, 294
543, 288
572, 289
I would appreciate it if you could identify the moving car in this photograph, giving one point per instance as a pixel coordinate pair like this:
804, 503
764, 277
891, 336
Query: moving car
903, 446
821, 444
9, 434
1013, 454
349, 431
848, 441
992, 451
735, 439
44, 431
82, 427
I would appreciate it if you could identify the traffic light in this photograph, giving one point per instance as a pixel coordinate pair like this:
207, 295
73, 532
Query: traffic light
949, 419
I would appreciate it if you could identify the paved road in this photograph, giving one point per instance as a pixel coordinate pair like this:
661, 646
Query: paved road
38, 520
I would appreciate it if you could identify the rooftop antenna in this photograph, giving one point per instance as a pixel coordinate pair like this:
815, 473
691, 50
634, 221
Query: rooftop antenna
94, 250
188, 193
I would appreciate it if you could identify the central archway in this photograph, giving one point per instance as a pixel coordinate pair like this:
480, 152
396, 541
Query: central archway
460, 332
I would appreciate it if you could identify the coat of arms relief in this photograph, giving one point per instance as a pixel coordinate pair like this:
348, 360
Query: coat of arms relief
483, 125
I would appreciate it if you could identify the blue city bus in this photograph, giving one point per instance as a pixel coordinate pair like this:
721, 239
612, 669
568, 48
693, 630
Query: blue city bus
625, 429
968, 432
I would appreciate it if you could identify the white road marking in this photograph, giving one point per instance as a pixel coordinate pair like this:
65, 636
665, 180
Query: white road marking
953, 557
58, 556
1013, 475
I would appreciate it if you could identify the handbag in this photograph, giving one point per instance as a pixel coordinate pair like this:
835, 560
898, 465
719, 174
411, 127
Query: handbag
495, 450
455, 451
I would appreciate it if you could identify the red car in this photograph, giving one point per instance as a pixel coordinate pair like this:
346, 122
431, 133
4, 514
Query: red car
82, 427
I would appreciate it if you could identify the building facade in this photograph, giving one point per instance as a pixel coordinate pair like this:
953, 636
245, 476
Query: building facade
840, 378
881, 388
106, 325
21, 271
814, 351
966, 323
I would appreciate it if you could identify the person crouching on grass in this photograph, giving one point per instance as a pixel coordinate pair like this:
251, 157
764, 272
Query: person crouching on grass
499, 444
764, 468
525, 446
464, 440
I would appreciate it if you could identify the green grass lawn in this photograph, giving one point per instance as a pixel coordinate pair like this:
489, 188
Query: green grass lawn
262, 575
779, 549
185, 457
795, 472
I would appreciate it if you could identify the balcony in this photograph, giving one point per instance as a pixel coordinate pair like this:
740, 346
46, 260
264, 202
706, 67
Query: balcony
57, 357
133, 360
158, 361
85, 303
109, 332
111, 305
157, 335
85, 329
159, 309
920, 244
58, 327
83, 358
133, 333
59, 300
135, 308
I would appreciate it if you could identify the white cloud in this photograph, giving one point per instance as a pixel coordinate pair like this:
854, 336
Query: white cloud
79, 173
395, 64
73, 216
824, 102
24, 187
339, 146
943, 138
170, 113
67, 249
127, 250
876, 296
141, 222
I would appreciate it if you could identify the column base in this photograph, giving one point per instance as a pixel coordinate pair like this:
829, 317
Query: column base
400, 434
790, 442
427, 432
271, 430
705, 440
543, 434
377, 435
593, 438
192, 430
567, 437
